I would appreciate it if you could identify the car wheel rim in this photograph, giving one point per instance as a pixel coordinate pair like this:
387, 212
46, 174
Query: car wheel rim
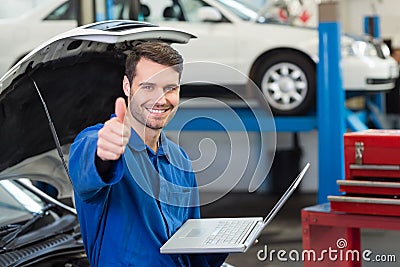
285, 86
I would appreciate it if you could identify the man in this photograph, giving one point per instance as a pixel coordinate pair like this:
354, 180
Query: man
133, 187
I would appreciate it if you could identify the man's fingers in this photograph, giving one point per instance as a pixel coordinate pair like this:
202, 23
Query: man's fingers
114, 126
110, 135
107, 155
114, 136
114, 144
120, 109
109, 146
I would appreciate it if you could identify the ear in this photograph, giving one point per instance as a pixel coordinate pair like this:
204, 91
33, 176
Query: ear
126, 85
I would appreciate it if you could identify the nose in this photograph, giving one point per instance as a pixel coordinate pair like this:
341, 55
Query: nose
160, 98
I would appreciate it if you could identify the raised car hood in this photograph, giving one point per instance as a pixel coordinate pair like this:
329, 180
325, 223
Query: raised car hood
79, 74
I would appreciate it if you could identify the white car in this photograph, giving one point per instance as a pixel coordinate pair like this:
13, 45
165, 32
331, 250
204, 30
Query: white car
19, 34
280, 59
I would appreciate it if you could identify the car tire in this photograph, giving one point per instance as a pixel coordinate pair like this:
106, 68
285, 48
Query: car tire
288, 81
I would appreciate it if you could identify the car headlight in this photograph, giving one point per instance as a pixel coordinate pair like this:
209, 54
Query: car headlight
359, 49
385, 50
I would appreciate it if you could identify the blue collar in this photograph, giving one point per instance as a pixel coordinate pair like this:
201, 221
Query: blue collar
137, 144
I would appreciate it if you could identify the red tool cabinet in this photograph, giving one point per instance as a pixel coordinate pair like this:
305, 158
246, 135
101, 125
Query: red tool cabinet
323, 229
372, 153
372, 174
371, 199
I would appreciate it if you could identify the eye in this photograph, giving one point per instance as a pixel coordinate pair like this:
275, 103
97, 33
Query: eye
171, 88
147, 87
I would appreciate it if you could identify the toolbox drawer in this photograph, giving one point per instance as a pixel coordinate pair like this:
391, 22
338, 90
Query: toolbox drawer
361, 187
372, 153
365, 205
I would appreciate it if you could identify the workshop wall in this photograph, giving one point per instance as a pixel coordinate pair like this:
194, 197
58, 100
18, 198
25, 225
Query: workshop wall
354, 11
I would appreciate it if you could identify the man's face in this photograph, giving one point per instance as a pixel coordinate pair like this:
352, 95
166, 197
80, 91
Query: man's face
154, 94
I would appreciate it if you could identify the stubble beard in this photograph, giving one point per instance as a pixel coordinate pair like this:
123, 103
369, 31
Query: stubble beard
138, 116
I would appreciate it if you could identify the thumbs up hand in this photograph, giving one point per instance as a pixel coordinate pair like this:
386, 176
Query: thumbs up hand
120, 109
114, 136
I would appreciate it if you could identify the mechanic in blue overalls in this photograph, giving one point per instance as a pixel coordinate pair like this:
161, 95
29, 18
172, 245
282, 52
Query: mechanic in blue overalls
134, 187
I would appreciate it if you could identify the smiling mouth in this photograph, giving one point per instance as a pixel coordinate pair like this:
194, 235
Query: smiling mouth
157, 111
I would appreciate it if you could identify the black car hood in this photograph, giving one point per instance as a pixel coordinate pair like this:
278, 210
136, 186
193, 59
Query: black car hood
79, 75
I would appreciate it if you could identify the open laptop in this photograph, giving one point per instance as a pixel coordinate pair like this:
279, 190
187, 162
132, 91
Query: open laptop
224, 235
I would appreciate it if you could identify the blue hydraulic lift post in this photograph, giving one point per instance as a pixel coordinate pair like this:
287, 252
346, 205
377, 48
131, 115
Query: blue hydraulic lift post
372, 28
109, 9
330, 103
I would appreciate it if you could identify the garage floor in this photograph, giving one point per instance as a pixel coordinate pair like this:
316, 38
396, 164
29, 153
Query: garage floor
285, 230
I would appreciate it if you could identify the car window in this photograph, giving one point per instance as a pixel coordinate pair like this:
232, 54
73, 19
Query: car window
241, 9
17, 202
66, 11
288, 12
157, 11
190, 8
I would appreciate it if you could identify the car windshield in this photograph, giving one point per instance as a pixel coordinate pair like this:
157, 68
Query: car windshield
14, 8
242, 9
288, 12
17, 203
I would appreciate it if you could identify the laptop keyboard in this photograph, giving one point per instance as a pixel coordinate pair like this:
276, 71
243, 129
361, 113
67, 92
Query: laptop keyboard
229, 232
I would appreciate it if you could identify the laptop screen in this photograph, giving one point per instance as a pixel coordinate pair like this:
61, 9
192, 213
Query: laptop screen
286, 195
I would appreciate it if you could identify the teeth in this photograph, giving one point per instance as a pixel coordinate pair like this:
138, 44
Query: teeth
158, 111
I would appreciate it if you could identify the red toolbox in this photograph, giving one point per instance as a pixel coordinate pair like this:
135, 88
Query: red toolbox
372, 153
372, 174
365, 205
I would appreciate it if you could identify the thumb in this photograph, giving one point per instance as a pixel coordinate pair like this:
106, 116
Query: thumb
120, 109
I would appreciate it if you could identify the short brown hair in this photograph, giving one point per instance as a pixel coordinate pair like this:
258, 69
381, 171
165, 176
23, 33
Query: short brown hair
159, 52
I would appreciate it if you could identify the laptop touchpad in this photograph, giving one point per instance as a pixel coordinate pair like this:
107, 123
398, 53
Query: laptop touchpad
196, 232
